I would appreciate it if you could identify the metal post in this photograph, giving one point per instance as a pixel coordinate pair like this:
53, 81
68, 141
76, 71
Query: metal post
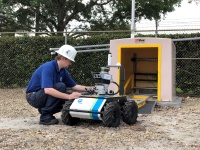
133, 19
122, 79
66, 36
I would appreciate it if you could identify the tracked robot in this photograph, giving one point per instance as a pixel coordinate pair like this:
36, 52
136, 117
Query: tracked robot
101, 104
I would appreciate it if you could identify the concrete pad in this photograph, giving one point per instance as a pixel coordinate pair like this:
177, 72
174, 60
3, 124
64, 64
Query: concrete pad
176, 103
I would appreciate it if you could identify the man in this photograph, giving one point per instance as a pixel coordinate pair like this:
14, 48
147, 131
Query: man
47, 87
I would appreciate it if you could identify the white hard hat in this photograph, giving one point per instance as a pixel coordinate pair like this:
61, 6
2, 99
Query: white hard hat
67, 51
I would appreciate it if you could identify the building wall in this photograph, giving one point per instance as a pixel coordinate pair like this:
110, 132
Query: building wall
166, 57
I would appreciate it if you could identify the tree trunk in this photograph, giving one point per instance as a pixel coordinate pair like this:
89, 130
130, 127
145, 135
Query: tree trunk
156, 32
37, 19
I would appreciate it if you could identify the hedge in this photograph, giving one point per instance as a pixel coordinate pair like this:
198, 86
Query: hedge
20, 56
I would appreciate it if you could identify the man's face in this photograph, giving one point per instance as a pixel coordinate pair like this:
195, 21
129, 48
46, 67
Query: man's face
66, 62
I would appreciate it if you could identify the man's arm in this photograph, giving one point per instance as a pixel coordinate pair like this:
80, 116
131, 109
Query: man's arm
82, 88
55, 93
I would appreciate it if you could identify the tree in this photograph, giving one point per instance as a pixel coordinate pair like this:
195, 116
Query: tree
196, 1
7, 19
147, 9
53, 15
154, 10
117, 17
56, 15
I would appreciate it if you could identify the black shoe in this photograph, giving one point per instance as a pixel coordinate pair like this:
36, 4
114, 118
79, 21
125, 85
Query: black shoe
49, 121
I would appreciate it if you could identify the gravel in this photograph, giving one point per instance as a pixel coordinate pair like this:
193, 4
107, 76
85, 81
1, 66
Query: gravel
166, 128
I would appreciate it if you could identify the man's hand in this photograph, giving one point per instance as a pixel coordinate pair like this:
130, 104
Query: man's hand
91, 90
74, 95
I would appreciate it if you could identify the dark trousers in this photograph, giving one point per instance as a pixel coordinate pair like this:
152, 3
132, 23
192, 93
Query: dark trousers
47, 105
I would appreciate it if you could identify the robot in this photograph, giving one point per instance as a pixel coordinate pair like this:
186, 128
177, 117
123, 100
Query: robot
101, 104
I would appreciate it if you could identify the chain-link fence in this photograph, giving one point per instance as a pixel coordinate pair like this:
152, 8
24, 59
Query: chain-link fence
187, 62
188, 66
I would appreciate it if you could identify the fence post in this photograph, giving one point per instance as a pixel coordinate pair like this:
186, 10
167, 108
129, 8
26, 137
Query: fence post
66, 35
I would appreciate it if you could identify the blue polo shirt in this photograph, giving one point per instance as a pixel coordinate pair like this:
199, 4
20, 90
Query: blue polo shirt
47, 75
